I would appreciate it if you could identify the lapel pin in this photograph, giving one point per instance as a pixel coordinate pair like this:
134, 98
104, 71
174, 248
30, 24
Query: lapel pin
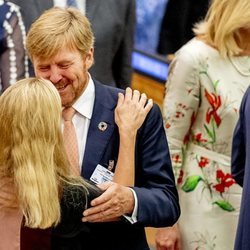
102, 126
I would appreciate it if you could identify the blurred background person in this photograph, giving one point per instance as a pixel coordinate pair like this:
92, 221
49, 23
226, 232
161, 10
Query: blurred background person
148, 20
240, 171
113, 24
13, 59
206, 82
177, 24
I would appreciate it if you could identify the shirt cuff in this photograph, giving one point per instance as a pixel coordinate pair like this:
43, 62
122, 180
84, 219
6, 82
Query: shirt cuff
133, 218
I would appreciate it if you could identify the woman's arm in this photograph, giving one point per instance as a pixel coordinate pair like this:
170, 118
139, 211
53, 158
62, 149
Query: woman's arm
131, 111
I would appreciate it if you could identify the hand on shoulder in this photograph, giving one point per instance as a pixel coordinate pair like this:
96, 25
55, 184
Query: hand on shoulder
131, 110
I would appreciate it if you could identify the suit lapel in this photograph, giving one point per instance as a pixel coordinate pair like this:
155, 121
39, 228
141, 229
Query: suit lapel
97, 140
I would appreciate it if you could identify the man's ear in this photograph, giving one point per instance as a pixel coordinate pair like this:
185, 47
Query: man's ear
89, 58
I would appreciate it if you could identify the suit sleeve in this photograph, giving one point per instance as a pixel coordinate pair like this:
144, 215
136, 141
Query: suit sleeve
155, 188
122, 64
239, 145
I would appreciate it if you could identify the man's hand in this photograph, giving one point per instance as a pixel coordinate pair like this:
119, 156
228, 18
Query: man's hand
117, 200
168, 238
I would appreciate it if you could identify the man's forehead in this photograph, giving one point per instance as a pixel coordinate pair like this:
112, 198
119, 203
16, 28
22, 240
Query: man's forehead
60, 55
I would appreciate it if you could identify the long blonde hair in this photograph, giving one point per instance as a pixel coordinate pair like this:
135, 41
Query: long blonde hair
32, 154
222, 25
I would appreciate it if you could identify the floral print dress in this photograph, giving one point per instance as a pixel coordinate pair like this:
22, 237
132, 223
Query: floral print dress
203, 95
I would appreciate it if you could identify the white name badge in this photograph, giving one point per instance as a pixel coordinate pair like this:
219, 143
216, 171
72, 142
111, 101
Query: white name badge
101, 175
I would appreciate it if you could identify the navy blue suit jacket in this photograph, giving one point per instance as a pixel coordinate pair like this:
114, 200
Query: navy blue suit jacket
241, 171
154, 181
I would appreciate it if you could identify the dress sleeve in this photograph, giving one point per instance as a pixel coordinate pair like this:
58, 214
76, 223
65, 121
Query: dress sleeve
180, 106
74, 201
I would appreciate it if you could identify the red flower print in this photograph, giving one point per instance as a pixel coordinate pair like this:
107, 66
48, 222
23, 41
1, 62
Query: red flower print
183, 106
225, 181
176, 159
186, 138
198, 138
180, 178
203, 162
167, 125
215, 102
178, 114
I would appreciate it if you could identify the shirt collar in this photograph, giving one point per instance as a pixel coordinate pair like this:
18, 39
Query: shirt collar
85, 103
81, 4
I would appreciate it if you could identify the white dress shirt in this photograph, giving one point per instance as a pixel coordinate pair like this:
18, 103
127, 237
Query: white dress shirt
81, 4
81, 120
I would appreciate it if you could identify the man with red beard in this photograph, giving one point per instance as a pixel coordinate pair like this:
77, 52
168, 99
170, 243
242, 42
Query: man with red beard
61, 46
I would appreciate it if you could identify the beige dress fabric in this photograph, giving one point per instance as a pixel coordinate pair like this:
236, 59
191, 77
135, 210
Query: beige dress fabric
201, 108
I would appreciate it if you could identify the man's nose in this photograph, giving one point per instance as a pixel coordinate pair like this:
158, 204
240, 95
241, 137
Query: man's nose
55, 75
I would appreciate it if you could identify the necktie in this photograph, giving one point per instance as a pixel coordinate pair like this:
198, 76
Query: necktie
71, 3
70, 140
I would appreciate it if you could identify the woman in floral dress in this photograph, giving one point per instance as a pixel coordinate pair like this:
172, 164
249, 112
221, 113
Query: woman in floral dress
206, 82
